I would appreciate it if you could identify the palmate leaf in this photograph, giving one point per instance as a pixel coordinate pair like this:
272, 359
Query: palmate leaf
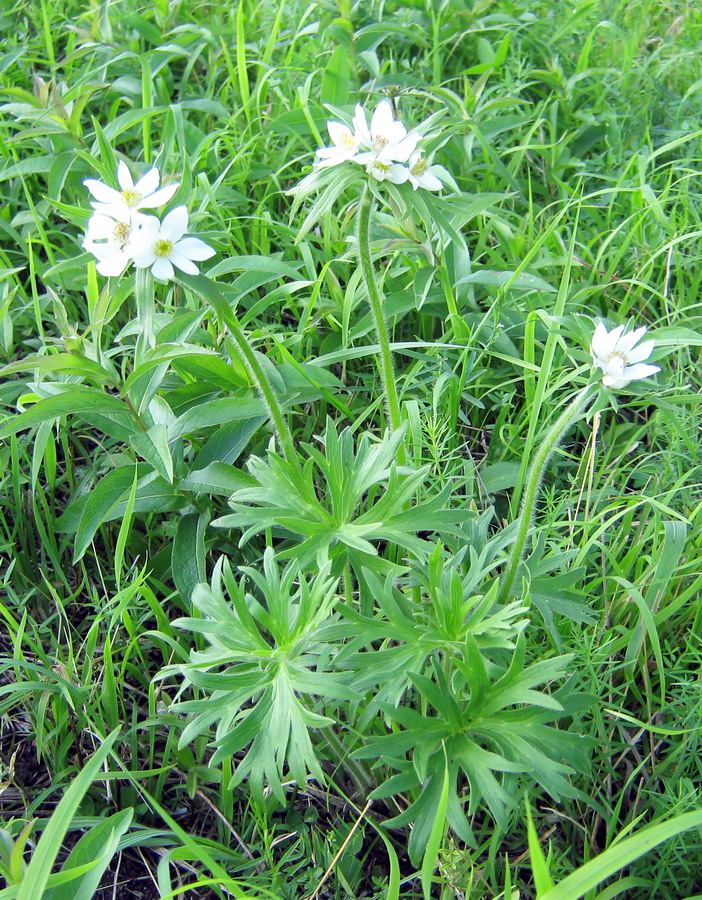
489, 727
263, 671
409, 629
366, 500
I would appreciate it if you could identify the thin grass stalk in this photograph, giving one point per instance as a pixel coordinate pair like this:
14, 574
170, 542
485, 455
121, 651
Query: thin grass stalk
144, 294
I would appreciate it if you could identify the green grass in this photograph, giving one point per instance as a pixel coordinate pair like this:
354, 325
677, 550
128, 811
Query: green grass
126, 474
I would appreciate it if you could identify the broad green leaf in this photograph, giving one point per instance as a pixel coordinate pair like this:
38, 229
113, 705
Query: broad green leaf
97, 846
188, 556
518, 281
216, 478
215, 412
152, 446
74, 400
336, 80
100, 503
70, 363
268, 264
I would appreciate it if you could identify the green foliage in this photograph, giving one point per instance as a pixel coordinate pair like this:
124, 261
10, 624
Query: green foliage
210, 539
365, 499
270, 651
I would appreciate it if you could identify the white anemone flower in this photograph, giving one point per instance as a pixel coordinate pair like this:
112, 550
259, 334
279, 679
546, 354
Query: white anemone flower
618, 356
161, 245
387, 137
346, 144
387, 171
421, 174
109, 238
142, 195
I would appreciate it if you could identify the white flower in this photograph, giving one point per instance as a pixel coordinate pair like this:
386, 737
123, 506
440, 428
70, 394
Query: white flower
618, 356
345, 141
108, 238
387, 137
161, 245
421, 174
142, 195
387, 171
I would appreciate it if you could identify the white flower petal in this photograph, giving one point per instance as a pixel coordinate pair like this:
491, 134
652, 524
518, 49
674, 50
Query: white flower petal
143, 257
398, 174
100, 251
617, 355
640, 353
339, 133
334, 160
640, 370
102, 192
147, 225
609, 344
360, 125
100, 227
193, 248
183, 263
429, 181
159, 198
162, 268
148, 183
114, 265
124, 177
402, 150
599, 341
614, 366
175, 224
382, 117
383, 124
627, 341
117, 209
614, 382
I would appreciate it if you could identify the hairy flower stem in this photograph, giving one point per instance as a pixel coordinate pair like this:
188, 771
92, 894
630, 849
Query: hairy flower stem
266, 391
387, 370
557, 432
210, 292
354, 769
144, 292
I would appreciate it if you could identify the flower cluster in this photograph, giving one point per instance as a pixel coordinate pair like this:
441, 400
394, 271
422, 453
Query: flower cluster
385, 148
617, 355
119, 234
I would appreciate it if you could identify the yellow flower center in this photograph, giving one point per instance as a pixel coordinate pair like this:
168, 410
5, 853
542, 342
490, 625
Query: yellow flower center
346, 141
121, 233
163, 248
131, 198
378, 143
618, 361
420, 167
381, 166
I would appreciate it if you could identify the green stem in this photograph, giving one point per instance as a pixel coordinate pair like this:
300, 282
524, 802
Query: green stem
354, 769
210, 292
387, 370
348, 584
557, 432
265, 389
